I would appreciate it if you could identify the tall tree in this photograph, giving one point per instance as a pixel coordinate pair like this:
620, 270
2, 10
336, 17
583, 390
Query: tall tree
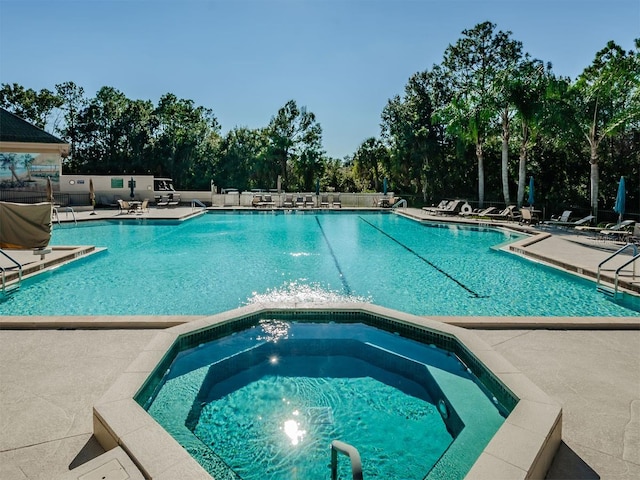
408, 129
368, 162
34, 107
606, 97
473, 66
182, 130
72, 102
526, 92
295, 143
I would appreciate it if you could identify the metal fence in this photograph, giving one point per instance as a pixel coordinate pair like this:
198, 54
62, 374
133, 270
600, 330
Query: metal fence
62, 199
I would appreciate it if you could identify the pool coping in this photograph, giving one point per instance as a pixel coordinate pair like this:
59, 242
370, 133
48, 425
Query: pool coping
523, 447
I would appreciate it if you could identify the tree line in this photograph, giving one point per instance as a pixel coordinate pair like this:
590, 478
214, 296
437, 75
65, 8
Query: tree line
477, 126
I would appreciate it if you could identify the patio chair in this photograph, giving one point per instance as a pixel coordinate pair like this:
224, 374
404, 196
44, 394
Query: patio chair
324, 201
256, 201
335, 202
300, 201
125, 207
288, 201
528, 217
144, 207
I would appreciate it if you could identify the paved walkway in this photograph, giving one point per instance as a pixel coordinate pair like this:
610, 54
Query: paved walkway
51, 377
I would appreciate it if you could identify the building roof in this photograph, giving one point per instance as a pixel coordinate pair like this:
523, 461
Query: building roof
18, 135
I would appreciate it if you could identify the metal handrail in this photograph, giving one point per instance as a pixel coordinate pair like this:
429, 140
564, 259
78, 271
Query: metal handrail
351, 452
632, 260
195, 202
18, 264
402, 201
68, 209
613, 255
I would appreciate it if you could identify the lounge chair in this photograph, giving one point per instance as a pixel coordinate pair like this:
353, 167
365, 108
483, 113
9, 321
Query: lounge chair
620, 231
308, 200
174, 199
440, 206
324, 201
163, 201
256, 201
635, 236
508, 213
300, 201
562, 218
267, 202
335, 202
478, 212
453, 208
288, 201
578, 223
607, 227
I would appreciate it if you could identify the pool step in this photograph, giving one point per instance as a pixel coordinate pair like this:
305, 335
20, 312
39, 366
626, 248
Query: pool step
609, 291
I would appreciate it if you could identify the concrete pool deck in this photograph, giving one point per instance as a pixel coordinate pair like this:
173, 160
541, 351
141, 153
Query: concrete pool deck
54, 369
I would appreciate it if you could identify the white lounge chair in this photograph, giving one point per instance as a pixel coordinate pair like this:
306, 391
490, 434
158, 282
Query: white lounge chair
562, 218
578, 223
288, 201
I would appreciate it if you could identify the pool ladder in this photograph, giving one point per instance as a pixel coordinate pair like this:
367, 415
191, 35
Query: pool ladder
402, 202
350, 451
68, 210
607, 290
8, 289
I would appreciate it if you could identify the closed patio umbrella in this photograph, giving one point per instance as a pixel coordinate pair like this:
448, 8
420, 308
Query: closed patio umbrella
620, 200
132, 186
92, 195
49, 190
385, 185
531, 192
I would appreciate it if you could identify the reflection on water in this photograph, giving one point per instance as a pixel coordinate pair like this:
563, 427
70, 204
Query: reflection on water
303, 293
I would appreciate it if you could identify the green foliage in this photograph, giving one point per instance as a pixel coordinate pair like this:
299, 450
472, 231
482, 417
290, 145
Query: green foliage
452, 133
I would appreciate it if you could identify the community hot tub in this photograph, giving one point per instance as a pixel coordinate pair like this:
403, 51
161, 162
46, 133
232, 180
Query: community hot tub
260, 392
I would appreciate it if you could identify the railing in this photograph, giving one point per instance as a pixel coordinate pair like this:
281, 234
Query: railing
617, 270
67, 209
351, 452
4, 281
402, 202
197, 202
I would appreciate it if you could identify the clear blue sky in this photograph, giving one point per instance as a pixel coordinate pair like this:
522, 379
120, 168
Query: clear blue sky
244, 59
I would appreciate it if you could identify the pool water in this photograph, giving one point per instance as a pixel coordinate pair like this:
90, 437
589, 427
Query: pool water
265, 403
218, 262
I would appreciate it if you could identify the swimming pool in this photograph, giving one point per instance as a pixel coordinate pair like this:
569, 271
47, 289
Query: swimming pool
220, 261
